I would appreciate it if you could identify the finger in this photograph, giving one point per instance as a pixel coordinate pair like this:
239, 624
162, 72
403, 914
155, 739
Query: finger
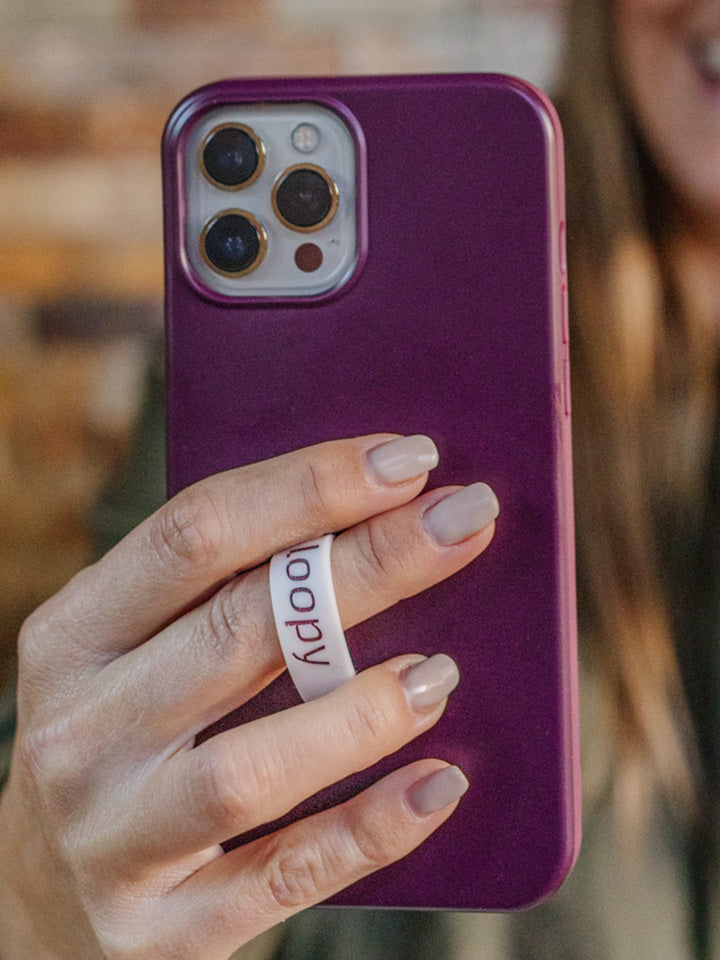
253, 774
245, 892
223, 652
228, 522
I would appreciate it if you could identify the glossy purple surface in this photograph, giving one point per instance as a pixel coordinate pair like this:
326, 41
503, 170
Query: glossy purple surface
452, 326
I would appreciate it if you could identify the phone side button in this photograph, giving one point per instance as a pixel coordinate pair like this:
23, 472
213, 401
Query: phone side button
566, 386
562, 269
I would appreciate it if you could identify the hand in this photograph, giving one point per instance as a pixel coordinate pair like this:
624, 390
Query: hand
111, 823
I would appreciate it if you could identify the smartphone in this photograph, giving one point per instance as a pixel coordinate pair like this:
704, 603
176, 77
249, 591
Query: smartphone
360, 254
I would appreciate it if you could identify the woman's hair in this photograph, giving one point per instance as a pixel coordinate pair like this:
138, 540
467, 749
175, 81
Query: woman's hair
643, 379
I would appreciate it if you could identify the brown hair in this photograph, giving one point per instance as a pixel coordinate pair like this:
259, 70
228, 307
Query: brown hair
643, 383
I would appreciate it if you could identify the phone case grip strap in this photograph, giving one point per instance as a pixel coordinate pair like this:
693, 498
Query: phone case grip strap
307, 618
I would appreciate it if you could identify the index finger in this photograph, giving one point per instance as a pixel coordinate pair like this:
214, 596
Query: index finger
228, 522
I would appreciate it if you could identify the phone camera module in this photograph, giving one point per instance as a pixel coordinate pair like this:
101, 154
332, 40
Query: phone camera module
234, 243
268, 199
232, 156
305, 198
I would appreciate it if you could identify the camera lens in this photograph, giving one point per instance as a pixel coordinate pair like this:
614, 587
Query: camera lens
305, 198
234, 243
232, 156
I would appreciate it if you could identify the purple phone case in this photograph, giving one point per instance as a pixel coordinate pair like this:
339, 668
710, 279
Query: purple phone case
454, 325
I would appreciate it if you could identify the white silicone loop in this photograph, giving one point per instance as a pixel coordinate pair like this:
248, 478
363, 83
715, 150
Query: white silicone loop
307, 619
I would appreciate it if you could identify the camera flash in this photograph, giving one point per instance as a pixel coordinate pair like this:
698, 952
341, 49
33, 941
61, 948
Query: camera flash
305, 137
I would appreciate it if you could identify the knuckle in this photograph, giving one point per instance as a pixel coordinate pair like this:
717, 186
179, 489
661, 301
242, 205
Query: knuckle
297, 877
38, 749
32, 639
315, 495
32, 747
369, 721
221, 790
372, 847
62, 617
188, 532
221, 627
55, 758
38, 635
236, 623
379, 553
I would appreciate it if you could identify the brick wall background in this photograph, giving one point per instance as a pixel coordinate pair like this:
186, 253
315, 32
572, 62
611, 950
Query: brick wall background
85, 87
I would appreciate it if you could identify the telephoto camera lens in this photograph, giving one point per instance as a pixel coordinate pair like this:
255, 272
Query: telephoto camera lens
233, 243
306, 198
231, 157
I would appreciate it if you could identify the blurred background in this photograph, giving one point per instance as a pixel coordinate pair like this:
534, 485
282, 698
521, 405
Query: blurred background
85, 87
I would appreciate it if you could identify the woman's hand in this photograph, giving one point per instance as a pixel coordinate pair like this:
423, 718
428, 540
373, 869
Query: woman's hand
110, 827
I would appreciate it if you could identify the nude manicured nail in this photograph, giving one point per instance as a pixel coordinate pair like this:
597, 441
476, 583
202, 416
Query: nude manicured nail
437, 790
461, 514
402, 459
429, 682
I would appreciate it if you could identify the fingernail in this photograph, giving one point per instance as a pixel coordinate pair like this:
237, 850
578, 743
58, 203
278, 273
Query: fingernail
402, 459
437, 790
461, 514
429, 682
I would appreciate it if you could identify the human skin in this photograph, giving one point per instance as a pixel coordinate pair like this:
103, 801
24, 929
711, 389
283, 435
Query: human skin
669, 61
111, 825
